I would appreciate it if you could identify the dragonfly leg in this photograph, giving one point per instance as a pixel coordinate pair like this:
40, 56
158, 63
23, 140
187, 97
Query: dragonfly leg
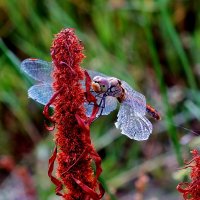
103, 105
101, 98
97, 95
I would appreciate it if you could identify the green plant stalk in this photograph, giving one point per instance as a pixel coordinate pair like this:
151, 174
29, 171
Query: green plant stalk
106, 187
163, 89
14, 60
164, 13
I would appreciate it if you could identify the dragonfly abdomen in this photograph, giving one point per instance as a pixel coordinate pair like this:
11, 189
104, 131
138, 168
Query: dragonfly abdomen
153, 112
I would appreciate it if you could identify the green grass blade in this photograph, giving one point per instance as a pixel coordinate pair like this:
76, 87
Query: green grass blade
168, 112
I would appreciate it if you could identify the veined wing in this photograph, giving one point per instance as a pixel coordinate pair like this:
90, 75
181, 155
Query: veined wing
132, 124
41, 71
38, 69
134, 99
41, 93
110, 105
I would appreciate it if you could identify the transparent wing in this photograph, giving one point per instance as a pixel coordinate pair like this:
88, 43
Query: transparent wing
134, 99
38, 69
132, 124
110, 105
41, 93
94, 73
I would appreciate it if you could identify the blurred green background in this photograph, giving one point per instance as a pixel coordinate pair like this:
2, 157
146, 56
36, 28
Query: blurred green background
153, 45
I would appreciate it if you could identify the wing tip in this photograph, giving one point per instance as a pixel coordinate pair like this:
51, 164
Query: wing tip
136, 138
23, 65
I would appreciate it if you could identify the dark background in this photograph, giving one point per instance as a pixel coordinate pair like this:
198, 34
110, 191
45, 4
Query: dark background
153, 45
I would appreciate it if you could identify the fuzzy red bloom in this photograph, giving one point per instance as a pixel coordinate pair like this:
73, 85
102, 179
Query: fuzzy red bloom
74, 151
191, 190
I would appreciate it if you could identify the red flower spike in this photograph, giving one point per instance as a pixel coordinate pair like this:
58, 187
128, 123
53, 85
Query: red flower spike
191, 190
83, 124
46, 112
74, 153
88, 190
80, 157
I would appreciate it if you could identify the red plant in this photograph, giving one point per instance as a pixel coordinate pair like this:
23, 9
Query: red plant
191, 190
74, 152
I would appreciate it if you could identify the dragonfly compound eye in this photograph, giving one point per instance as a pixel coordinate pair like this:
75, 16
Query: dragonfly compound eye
96, 87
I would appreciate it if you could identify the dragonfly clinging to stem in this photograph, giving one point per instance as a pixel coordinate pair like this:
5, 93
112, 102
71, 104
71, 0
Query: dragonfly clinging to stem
108, 91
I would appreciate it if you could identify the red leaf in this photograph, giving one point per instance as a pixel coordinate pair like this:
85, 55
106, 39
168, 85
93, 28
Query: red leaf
86, 189
50, 170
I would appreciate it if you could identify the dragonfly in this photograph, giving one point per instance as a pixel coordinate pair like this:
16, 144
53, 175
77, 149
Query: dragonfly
108, 91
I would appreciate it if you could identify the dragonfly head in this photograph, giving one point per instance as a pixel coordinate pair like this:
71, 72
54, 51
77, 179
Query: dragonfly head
100, 84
